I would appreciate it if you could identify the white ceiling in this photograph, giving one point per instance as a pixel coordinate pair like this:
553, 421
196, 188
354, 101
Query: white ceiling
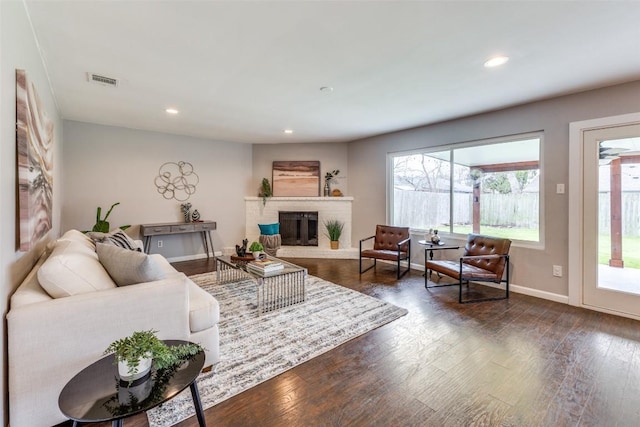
245, 71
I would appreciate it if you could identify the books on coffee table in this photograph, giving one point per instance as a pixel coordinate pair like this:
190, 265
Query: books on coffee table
265, 266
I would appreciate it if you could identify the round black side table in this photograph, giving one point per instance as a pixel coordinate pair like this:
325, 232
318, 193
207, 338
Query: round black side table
96, 393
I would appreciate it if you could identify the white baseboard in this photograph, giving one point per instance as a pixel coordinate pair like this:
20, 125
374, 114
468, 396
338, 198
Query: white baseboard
563, 299
192, 257
314, 252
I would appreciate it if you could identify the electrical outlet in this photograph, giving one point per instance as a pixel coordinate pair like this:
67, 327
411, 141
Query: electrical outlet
560, 188
159, 243
557, 270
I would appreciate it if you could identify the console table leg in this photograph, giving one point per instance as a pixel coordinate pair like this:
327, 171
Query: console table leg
197, 403
147, 244
213, 253
205, 242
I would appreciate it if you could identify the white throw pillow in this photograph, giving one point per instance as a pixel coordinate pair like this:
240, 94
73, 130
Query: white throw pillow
80, 237
128, 267
71, 269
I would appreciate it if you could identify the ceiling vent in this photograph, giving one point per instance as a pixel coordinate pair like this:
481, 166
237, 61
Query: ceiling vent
102, 80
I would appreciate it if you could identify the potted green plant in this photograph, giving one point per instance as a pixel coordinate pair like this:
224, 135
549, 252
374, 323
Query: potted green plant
102, 225
135, 354
256, 248
265, 190
334, 231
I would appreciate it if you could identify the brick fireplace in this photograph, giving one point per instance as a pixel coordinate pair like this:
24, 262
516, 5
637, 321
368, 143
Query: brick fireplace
326, 208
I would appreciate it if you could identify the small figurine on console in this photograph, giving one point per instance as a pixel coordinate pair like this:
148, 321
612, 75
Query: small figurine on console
241, 251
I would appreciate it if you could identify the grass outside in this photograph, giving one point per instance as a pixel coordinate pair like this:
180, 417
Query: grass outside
630, 250
630, 245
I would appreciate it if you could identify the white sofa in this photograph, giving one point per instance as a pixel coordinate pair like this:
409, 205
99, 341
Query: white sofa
50, 339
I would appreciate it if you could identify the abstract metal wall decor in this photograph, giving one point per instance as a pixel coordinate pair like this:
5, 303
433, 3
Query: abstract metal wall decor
34, 146
176, 180
296, 178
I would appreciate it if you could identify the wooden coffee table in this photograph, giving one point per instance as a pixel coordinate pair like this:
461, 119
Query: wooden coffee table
96, 394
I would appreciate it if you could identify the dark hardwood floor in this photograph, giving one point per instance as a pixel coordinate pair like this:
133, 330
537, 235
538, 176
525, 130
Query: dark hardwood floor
520, 362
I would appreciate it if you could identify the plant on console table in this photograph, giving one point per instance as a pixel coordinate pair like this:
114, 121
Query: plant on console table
334, 231
136, 353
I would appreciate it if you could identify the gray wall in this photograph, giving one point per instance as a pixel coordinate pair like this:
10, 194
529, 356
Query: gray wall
106, 164
332, 156
531, 267
19, 51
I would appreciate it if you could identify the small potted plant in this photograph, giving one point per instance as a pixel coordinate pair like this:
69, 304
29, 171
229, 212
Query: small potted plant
102, 225
136, 353
265, 190
256, 248
334, 231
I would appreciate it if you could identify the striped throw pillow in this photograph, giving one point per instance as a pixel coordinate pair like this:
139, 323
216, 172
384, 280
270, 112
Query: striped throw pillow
116, 238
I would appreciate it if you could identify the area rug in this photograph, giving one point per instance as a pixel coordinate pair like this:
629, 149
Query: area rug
256, 348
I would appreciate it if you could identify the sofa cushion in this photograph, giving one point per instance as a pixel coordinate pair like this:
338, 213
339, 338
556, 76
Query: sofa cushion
128, 267
71, 269
30, 291
204, 310
117, 238
77, 236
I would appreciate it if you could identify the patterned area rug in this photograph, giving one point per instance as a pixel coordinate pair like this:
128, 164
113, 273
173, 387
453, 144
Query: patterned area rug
254, 349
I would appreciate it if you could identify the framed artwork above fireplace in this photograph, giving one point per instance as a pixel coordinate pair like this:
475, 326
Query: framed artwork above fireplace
296, 178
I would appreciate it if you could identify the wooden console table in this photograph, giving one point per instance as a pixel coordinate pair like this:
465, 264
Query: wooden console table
203, 227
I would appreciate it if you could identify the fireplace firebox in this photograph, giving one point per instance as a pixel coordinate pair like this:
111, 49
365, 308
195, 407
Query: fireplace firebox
298, 228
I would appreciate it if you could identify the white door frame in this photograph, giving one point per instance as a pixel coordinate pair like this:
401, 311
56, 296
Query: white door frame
576, 157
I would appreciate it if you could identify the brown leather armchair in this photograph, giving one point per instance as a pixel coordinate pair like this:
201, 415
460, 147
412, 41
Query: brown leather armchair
485, 259
391, 244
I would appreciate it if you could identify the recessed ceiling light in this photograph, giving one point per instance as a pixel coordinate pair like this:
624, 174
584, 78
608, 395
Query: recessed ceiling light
288, 131
496, 61
171, 111
326, 89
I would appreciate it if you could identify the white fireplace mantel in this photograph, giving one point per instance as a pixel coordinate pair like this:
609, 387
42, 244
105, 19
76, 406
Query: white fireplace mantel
327, 207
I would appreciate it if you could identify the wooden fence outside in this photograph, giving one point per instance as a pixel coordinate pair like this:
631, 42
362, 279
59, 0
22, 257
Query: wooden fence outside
630, 213
426, 210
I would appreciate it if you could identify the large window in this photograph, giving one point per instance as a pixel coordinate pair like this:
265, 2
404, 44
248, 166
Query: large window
489, 187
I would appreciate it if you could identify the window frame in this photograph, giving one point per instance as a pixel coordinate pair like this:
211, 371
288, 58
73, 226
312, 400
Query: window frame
451, 147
